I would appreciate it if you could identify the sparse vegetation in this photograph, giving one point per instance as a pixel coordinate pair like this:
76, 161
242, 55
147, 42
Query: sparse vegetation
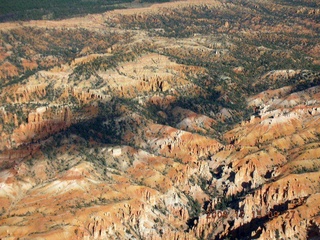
195, 207
304, 169
135, 112
57, 9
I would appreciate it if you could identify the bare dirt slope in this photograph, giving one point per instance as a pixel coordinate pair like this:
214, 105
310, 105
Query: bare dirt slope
183, 120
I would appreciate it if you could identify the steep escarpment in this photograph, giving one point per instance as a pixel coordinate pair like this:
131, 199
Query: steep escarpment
184, 120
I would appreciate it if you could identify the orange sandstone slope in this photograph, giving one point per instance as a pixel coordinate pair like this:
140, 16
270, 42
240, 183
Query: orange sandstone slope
168, 187
188, 120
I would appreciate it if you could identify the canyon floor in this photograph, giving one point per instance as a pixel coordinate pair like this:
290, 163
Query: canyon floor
178, 120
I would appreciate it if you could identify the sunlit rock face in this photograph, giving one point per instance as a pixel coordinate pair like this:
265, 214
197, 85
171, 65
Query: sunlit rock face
177, 120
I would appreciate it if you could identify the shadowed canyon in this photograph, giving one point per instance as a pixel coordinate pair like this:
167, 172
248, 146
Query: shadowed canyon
177, 120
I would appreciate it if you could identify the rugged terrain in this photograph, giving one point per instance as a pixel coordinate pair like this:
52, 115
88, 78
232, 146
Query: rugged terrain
183, 120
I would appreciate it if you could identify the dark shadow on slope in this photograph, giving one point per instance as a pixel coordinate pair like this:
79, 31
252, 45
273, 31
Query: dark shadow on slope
313, 231
109, 126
